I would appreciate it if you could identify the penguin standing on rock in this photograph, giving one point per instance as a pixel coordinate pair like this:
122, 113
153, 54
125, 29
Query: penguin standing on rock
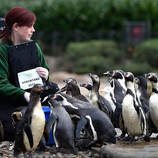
62, 126
133, 114
29, 130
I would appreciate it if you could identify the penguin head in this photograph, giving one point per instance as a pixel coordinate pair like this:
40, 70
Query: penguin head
50, 88
153, 77
53, 103
37, 89
63, 99
70, 79
94, 77
107, 73
58, 97
87, 85
129, 77
141, 81
96, 81
71, 87
118, 74
108, 76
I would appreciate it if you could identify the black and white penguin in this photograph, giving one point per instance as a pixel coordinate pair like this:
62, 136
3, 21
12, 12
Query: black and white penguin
97, 99
120, 85
153, 100
108, 90
133, 114
73, 89
141, 92
30, 128
50, 89
62, 126
100, 124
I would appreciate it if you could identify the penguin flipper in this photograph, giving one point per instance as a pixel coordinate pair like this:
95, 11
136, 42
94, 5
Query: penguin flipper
80, 125
29, 134
117, 114
105, 106
50, 122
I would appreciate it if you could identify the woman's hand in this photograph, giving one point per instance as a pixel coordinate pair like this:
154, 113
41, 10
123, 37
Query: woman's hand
43, 72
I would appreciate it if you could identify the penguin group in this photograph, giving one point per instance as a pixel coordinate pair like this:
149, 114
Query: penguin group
78, 122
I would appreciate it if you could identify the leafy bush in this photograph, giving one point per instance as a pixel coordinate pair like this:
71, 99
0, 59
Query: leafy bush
147, 52
93, 56
93, 64
137, 68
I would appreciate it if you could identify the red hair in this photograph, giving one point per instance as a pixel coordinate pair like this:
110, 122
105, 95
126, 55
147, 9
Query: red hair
19, 15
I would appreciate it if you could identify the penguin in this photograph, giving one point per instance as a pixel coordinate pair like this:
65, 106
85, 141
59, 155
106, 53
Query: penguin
108, 91
30, 128
141, 84
50, 89
100, 124
132, 113
97, 99
119, 89
1, 132
73, 89
153, 101
141, 92
120, 85
60, 122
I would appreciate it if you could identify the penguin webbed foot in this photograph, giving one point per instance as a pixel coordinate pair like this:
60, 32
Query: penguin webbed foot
147, 138
131, 140
122, 137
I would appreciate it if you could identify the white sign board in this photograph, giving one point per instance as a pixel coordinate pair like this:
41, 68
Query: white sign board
27, 79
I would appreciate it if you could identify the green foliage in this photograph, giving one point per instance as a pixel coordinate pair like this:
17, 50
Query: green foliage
102, 48
94, 64
147, 52
93, 56
137, 68
88, 15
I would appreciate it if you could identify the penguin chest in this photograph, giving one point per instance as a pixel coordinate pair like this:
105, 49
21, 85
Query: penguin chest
109, 98
37, 128
153, 107
130, 116
93, 99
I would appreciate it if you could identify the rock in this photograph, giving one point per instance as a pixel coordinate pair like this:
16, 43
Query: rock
138, 149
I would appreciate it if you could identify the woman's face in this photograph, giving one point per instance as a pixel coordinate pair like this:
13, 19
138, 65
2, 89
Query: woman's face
23, 33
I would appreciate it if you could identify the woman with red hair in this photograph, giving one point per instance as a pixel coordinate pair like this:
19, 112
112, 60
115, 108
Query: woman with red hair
18, 53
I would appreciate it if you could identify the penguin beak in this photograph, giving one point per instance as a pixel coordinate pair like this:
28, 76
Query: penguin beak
63, 89
90, 74
82, 85
107, 74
